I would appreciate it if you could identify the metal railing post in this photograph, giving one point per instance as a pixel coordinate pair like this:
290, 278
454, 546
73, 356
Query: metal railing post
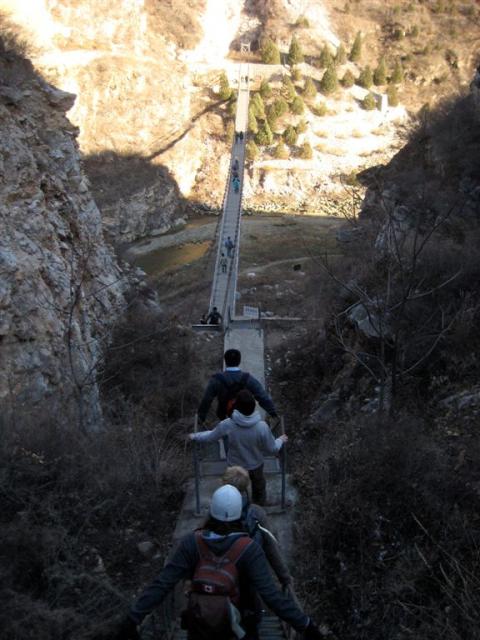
283, 465
196, 467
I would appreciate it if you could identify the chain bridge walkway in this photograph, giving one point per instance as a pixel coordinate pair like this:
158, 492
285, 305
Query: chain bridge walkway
243, 332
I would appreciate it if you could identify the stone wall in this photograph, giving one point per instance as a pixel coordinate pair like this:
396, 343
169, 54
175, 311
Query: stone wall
60, 285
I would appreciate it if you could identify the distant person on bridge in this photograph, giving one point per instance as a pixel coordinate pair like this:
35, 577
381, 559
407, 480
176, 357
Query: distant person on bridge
235, 165
236, 184
257, 524
213, 612
214, 317
226, 384
229, 246
223, 263
249, 441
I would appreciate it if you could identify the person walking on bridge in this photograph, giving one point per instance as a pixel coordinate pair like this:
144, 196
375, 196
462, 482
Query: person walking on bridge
221, 542
229, 246
249, 441
225, 385
223, 263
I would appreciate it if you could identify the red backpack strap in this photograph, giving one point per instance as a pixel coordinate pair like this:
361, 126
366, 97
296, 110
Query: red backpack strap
204, 550
236, 550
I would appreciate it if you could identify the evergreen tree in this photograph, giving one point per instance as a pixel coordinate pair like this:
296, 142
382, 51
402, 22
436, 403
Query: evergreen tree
279, 107
306, 151
257, 106
295, 53
297, 106
290, 136
380, 73
326, 59
225, 92
397, 75
270, 53
288, 89
309, 90
356, 50
365, 78
265, 89
369, 103
272, 117
281, 151
296, 74
329, 82
392, 95
251, 151
341, 55
264, 136
252, 121
348, 79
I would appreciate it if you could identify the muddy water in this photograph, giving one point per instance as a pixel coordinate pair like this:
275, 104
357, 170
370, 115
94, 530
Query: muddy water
174, 249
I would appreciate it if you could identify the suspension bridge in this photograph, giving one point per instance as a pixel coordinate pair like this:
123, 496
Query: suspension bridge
245, 333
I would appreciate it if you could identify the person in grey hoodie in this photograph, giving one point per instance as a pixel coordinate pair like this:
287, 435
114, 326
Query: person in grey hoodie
222, 529
249, 441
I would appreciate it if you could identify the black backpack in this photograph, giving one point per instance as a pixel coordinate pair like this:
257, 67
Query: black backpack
228, 393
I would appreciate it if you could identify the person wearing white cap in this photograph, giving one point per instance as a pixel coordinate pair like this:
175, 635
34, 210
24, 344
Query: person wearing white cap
222, 531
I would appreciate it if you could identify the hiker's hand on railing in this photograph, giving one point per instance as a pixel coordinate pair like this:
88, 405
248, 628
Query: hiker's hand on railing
283, 438
190, 437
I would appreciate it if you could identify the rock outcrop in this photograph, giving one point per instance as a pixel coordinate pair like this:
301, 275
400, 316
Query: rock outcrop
60, 285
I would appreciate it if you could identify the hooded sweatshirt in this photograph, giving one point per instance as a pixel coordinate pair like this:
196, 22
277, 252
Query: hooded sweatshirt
249, 439
253, 573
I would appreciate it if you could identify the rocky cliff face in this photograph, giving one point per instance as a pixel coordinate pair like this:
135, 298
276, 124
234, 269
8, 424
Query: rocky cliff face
135, 96
60, 285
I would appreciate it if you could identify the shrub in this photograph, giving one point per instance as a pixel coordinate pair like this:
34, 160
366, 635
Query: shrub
326, 59
265, 89
329, 82
365, 78
302, 21
270, 53
296, 74
232, 107
251, 150
281, 151
319, 109
264, 136
356, 50
392, 95
380, 73
369, 103
399, 33
295, 53
309, 90
225, 92
348, 79
290, 135
414, 31
229, 131
306, 151
257, 106
301, 126
297, 106
341, 55
397, 74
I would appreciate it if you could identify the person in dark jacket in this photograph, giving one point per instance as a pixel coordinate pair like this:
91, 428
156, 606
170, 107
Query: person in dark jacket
222, 529
219, 384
